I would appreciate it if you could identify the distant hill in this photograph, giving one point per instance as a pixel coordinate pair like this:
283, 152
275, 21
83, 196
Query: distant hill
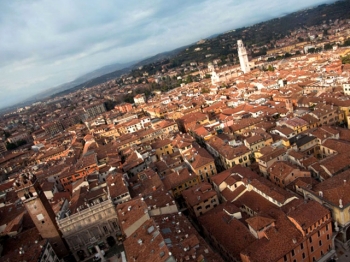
160, 57
103, 71
80, 80
70, 87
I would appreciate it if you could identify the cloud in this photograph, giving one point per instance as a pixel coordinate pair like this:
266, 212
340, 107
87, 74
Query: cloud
45, 43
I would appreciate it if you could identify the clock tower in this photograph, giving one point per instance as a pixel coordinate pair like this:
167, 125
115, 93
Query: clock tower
29, 191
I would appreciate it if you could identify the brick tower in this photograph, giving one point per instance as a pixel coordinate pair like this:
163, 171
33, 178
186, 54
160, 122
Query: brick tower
289, 105
39, 209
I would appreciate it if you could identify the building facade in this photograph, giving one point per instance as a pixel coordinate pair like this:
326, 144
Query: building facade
90, 226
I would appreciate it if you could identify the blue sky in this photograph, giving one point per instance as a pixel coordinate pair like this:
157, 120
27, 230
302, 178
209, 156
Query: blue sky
47, 43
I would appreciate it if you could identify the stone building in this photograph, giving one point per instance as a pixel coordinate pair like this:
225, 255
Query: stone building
90, 221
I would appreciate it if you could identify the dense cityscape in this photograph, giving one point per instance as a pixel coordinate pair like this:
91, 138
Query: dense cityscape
243, 157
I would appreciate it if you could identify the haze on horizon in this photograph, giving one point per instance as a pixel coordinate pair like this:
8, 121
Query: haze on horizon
45, 44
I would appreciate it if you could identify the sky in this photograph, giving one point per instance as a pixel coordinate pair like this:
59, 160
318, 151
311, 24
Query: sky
46, 43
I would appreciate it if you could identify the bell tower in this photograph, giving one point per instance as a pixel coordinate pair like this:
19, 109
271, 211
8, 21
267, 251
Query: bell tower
289, 105
243, 57
29, 191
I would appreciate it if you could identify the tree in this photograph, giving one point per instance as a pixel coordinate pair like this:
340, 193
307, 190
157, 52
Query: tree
110, 104
128, 99
311, 50
189, 79
10, 146
21, 142
347, 42
271, 68
327, 46
345, 59
7, 134
205, 90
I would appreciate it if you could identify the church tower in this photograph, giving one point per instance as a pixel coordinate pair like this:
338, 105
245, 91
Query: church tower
40, 210
243, 57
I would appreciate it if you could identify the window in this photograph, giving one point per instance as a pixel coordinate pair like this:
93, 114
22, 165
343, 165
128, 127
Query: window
310, 239
302, 246
320, 243
105, 229
303, 255
327, 236
293, 253
312, 249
